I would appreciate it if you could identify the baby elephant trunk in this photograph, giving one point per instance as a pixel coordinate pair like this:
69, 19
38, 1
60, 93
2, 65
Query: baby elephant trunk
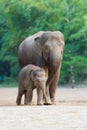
43, 88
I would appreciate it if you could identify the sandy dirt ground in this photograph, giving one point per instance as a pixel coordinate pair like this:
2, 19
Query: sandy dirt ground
69, 113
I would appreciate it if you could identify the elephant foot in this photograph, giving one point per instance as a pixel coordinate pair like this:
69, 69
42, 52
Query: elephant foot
46, 103
18, 103
53, 101
39, 104
28, 103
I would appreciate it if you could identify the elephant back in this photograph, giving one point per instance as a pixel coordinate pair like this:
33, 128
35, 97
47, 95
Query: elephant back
29, 51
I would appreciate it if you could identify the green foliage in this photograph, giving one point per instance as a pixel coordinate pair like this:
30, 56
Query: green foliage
19, 19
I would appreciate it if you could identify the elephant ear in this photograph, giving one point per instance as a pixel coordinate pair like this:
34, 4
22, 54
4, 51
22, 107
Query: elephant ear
37, 41
31, 75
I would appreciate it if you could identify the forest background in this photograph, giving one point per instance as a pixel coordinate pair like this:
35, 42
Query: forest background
19, 19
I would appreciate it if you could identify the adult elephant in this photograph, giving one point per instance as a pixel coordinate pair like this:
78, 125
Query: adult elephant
44, 49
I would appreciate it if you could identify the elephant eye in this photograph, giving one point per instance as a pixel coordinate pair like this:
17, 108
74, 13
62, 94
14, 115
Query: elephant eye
35, 74
59, 44
47, 49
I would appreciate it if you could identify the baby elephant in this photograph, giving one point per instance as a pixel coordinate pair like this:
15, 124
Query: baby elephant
31, 77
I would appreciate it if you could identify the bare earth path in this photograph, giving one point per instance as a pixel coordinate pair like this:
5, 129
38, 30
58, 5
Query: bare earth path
70, 112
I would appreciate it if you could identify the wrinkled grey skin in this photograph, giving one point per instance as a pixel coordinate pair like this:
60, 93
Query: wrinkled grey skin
31, 77
44, 49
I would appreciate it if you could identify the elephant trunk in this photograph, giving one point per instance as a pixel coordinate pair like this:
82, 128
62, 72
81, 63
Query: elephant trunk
52, 73
54, 68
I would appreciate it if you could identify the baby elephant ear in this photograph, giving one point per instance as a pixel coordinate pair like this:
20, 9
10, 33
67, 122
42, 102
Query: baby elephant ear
31, 75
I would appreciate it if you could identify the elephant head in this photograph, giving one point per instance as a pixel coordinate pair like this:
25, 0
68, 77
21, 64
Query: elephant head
52, 45
38, 77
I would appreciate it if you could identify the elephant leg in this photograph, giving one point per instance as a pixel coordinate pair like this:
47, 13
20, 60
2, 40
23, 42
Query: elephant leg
52, 89
25, 94
47, 95
28, 96
20, 93
39, 96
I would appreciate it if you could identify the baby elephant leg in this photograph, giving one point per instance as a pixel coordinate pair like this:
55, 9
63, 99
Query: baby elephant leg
39, 96
19, 96
28, 96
